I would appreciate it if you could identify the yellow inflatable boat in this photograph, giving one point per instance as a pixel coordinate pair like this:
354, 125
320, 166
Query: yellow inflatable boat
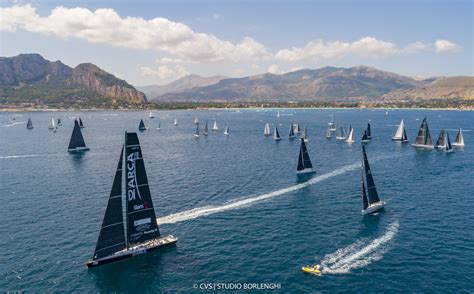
315, 269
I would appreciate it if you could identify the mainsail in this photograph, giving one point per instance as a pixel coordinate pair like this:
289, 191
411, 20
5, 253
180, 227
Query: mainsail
369, 132
459, 141
80, 123
196, 132
52, 124
350, 137
328, 132
399, 132
305, 134
372, 191
441, 142
226, 130
304, 162
29, 124
77, 141
266, 130
112, 235
448, 146
276, 134
423, 138
141, 218
291, 135
206, 129
141, 126
340, 135
215, 128
175, 122
365, 201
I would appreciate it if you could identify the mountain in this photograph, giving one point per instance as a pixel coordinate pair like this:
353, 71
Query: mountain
180, 85
441, 88
31, 79
324, 84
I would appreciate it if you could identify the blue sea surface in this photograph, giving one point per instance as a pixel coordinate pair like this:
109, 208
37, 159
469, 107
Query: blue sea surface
236, 205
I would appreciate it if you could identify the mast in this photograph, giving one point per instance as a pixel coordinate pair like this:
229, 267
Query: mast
112, 235
141, 218
372, 191
77, 141
80, 123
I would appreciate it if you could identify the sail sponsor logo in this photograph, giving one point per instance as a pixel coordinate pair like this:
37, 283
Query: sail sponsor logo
132, 177
142, 221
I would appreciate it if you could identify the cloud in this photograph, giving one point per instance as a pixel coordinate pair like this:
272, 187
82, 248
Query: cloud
446, 46
415, 47
274, 69
216, 16
164, 72
106, 26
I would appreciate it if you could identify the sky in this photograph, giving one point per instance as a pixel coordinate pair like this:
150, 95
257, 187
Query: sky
156, 42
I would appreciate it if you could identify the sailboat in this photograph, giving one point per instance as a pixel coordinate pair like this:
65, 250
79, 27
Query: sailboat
350, 137
77, 144
151, 115
370, 198
80, 123
423, 138
175, 122
214, 127
196, 132
401, 134
369, 132
332, 125
340, 135
29, 124
459, 141
304, 162
305, 135
441, 142
328, 132
276, 134
196, 120
291, 135
296, 128
52, 124
59, 122
365, 138
448, 146
206, 129
226, 130
141, 126
266, 130
140, 233
278, 114
159, 126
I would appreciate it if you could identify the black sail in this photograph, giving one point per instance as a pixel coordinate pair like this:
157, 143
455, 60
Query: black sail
365, 202
427, 136
404, 136
206, 128
291, 135
369, 132
372, 191
364, 137
141, 218
440, 141
29, 125
112, 236
80, 123
304, 161
142, 125
76, 138
341, 132
424, 137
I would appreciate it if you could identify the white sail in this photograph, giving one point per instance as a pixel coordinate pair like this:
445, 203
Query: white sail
196, 120
215, 128
399, 133
226, 130
350, 137
329, 133
278, 114
175, 122
52, 124
151, 115
459, 141
266, 130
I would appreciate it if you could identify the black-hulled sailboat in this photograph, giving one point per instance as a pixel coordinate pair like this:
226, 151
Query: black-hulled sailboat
291, 135
77, 144
140, 233
206, 129
59, 122
423, 139
370, 198
304, 162
142, 126
401, 133
365, 138
276, 134
340, 134
29, 124
80, 123
459, 141
448, 148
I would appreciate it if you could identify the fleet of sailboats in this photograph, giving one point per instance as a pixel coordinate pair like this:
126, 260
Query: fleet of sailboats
401, 134
304, 162
423, 139
139, 233
370, 198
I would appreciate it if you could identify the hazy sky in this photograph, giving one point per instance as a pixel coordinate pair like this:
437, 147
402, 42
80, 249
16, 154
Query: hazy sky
155, 42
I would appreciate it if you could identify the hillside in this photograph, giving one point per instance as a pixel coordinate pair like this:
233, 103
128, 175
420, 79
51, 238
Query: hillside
29, 79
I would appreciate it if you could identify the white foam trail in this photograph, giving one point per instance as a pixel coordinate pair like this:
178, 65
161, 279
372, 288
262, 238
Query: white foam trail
358, 254
207, 210
15, 123
17, 156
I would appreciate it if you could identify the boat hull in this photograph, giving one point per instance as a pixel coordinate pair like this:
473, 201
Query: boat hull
311, 270
422, 146
400, 140
457, 145
161, 243
78, 150
373, 208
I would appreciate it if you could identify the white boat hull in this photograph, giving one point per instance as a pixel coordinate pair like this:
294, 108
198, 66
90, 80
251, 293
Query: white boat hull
457, 145
373, 208
305, 171
79, 149
422, 146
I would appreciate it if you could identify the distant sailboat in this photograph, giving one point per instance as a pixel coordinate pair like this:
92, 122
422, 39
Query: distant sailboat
196, 120
226, 130
369, 131
332, 125
142, 232
266, 130
459, 141
291, 135
448, 147
29, 124
441, 142
328, 132
196, 132
304, 162
340, 134
52, 124
401, 134
151, 115
276, 134
80, 123
305, 135
365, 138
350, 137
175, 122
59, 122
206, 129
142, 126
296, 129
278, 114
423, 138
214, 127
77, 144
159, 126
370, 198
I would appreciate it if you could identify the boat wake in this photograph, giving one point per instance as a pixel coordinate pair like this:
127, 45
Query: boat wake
208, 210
13, 124
359, 254
18, 156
